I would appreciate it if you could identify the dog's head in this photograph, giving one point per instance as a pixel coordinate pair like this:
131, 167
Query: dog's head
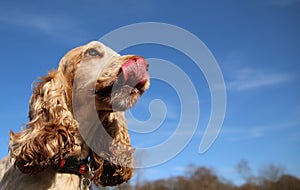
90, 78
117, 81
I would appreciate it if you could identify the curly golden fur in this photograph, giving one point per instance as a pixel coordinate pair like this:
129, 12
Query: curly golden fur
53, 131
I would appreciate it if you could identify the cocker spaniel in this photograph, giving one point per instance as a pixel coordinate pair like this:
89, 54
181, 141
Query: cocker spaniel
77, 132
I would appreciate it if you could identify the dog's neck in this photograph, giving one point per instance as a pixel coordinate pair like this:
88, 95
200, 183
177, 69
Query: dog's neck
103, 114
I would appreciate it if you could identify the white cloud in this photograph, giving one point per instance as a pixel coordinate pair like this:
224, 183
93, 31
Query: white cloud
179, 169
35, 22
247, 78
56, 26
243, 133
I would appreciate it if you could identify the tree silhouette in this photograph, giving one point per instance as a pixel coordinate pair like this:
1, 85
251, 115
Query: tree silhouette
270, 177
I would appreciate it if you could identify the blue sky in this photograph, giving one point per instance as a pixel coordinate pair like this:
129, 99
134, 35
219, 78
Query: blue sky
256, 44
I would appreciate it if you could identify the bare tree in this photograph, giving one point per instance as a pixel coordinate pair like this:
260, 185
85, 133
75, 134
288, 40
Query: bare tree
271, 172
286, 182
269, 177
245, 171
190, 170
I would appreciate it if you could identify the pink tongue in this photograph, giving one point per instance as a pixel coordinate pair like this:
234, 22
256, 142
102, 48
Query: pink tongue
135, 71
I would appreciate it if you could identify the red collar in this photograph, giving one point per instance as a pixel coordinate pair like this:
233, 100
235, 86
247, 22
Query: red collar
73, 166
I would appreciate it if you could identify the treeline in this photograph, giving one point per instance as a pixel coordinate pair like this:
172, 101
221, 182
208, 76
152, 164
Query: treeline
204, 179
270, 177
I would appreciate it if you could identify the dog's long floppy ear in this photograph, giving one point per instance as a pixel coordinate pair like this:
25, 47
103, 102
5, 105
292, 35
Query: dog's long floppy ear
50, 134
114, 164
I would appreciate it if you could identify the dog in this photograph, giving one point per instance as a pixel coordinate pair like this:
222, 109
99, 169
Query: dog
77, 132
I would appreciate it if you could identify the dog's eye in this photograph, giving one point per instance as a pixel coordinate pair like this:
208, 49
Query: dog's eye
92, 53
